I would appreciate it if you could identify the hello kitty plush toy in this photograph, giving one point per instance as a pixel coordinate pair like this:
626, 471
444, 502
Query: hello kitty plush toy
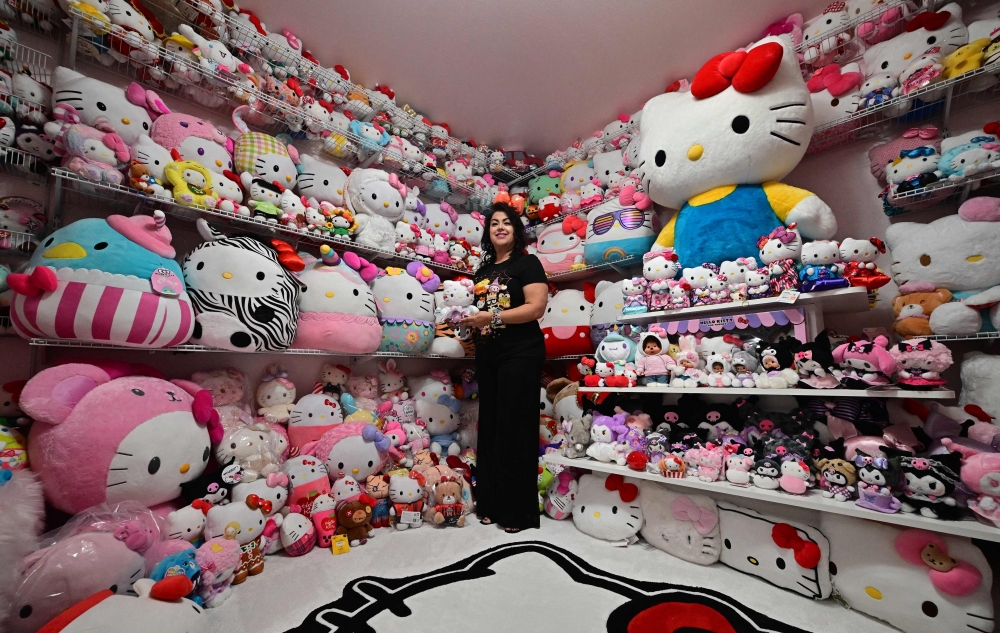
391, 382
738, 469
376, 199
735, 273
352, 449
718, 287
308, 479
634, 291
566, 322
405, 303
699, 279
820, 267
227, 387
659, 269
913, 169
679, 294
406, 494
827, 35
607, 508
878, 89
275, 394
560, 247
89, 152
457, 300
758, 283
859, 262
689, 168
779, 254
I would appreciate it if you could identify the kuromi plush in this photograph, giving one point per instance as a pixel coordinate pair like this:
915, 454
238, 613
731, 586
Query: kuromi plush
607, 507
701, 153
157, 440
953, 253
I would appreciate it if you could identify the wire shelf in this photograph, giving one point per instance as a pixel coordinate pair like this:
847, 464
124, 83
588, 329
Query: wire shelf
842, 46
548, 166
37, 65
6, 327
941, 193
618, 265
46, 342
32, 17
130, 199
939, 99
20, 242
889, 391
20, 164
978, 336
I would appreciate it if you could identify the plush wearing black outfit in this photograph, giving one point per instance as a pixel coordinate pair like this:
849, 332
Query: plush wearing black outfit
509, 371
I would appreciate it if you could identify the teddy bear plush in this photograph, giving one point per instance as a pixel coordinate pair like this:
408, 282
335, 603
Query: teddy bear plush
448, 507
912, 308
354, 520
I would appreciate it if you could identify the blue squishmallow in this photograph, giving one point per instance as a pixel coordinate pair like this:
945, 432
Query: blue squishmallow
109, 281
619, 227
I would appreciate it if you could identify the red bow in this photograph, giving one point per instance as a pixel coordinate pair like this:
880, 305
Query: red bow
201, 504
256, 503
746, 71
42, 279
627, 492
386, 90
807, 553
879, 244
931, 21
733, 340
573, 224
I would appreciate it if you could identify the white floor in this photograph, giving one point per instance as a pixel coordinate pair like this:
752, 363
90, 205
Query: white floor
519, 597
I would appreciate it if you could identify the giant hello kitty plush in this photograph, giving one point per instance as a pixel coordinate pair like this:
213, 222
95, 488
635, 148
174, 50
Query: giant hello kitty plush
566, 322
404, 299
128, 112
377, 201
703, 153
142, 437
336, 306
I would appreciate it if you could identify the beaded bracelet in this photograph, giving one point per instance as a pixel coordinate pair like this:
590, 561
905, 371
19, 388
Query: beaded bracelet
495, 319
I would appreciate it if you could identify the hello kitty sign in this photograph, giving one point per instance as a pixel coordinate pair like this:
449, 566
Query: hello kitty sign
716, 153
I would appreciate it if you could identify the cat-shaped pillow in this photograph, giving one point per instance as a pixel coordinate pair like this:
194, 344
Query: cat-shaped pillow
702, 153
686, 526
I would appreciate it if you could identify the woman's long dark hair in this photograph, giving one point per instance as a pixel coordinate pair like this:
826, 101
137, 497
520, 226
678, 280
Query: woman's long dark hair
520, 240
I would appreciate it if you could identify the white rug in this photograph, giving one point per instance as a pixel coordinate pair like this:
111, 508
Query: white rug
515, 583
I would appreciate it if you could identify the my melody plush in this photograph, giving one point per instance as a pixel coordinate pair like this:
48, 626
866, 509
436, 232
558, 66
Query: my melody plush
151, 469
739, 91
865, 364
951, 254
243, 290
133, 273
336, 307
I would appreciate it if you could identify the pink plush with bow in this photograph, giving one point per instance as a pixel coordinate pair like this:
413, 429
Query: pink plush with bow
447, 208
630, 196
703, 519
398, 186
830, 78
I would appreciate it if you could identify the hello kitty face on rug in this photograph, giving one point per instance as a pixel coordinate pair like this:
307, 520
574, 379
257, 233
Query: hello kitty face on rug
321, 181
896, 55
247, 521
685, 526
576, 175
690, 146
95, 101
607, 507
749, 545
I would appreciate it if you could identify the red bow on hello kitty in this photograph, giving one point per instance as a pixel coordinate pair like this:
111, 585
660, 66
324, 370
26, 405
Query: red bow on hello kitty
746, 71
573, 224
931, 21
201, 504
627, 492
807, 553
256, 503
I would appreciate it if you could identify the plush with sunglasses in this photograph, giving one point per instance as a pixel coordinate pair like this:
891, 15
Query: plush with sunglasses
749, 104
620, 227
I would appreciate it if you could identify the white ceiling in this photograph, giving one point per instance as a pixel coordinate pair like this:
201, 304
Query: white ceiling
524, 74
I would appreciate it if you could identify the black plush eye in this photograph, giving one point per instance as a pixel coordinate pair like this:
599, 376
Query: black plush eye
780, 563
204, 456
929, 608
154, 465
582, 308
100, 246
835, 102
409, 296
931, 39
614, 509
114, 588
25, 611
260, 276
370, 463
356, 293
200, 266
661, 157
340, 464
583, 508
101, 106
885, 65
145, 126
741, 124
49, 241
275, 169
139, 392
374, 197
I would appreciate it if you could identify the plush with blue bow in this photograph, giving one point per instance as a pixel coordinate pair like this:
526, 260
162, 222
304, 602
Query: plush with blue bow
372, 138
442, 420
913, 169
981, 153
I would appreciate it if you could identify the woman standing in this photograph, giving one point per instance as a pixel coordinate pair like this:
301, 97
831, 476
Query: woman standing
511, 294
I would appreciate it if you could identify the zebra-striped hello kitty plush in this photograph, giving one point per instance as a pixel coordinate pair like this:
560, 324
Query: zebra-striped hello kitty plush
244, 293
702, 152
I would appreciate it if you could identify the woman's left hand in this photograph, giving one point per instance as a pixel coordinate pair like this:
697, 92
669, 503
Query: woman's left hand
479, 320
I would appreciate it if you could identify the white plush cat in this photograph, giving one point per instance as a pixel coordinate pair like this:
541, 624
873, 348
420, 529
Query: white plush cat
377, 204
320, 181
702, 153
575, 175
607, 507
686, 526
609, 168
896, 55
608, 303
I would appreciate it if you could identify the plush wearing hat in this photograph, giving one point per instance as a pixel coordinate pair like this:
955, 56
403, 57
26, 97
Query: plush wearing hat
865, 364
124, 265
262, 155
156, 440
377, 200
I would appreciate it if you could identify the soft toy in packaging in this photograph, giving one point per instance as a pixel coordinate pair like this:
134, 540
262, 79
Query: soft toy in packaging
686, 526
112, 281
560, 247
953, 253
820, 268
352, 449
230, 391
156, 440
275, 394
620, 227
405, 302
566, 322
89, 152
377, 200
609, 168
442, 421
336, 307
243, 290
21, 215
918, 581
608, 508
609, 301
803, 551
700, 151
129, 113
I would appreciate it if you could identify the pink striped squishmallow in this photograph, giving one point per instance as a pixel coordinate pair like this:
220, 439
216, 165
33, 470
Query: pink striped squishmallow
105, 281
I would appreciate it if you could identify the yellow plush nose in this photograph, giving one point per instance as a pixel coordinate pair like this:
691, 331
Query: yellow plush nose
289, 179
385, 204
565, 310
218, 163
329, 294
974, 258
908, 55
695, 152
354, 471
184, 468
125, 121
66, 250
597, 515
386, 299
227, 275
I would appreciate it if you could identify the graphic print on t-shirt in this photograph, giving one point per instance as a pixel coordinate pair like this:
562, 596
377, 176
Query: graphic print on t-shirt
492, 294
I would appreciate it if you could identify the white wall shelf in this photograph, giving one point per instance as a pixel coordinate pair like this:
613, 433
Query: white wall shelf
620, 266
886, 392
813, 500
978, 336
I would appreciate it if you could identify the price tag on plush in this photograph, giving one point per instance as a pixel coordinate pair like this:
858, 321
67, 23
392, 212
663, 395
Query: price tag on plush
166, 282
411, 518
788, 296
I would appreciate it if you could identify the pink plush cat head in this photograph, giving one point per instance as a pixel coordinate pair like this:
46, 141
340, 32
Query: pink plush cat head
156, 439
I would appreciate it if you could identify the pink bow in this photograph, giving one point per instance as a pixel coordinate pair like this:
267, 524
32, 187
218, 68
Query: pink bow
116, 143
806, 355
684, 509
993, 146
925, 133
830, 78
398, 186
275, 480
479, 217
630, 196
447, 208
783, 235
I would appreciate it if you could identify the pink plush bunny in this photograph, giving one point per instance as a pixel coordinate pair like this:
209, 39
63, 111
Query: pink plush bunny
981, 473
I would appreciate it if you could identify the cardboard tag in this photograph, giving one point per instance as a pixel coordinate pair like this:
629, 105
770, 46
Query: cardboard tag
165, 282
788, 296
411, 518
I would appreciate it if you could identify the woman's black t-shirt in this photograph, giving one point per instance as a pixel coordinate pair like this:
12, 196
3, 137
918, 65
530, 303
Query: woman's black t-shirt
502, 286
